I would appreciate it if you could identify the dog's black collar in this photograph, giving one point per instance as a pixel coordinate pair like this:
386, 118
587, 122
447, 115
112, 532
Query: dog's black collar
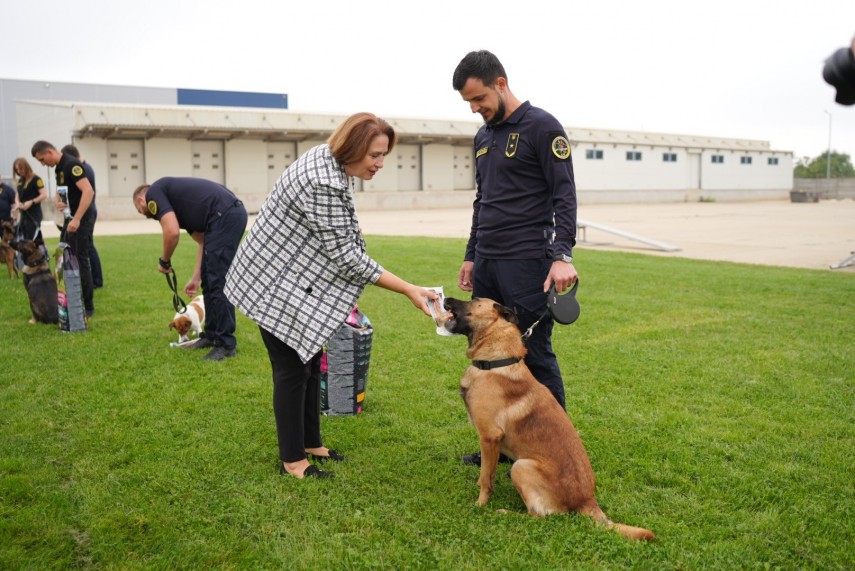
487, 365
37, 263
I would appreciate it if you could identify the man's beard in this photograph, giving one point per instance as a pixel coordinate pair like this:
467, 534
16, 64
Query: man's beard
499, 116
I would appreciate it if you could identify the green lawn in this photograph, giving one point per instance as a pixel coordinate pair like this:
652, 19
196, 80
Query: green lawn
715, 401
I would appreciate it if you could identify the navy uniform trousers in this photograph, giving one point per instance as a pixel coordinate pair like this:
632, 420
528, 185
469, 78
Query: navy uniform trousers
518, 284
222, 238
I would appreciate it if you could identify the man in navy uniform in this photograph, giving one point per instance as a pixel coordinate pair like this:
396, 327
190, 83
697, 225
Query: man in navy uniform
94, 258
524, 214
216, 220
81, 196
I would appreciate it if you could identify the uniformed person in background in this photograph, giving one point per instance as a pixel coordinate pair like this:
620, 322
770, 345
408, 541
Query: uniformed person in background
524, 214
80, 196
8, 201
94, 258
216, 220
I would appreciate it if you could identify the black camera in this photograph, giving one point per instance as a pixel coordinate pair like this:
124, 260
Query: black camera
839, 71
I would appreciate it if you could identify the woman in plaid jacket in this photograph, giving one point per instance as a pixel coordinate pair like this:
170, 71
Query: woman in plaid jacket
300, 271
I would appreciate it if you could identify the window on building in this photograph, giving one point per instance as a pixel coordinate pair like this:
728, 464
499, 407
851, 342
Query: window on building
669, 157
718, 159
595, 154
772, 160
633, 155
745, 160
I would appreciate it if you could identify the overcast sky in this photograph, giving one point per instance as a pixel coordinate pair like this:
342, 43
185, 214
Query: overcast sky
746, 69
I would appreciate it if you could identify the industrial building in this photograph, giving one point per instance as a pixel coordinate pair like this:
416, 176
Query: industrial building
132, 135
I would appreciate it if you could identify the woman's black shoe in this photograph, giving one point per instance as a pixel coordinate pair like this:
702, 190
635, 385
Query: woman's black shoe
333, 455
311, 472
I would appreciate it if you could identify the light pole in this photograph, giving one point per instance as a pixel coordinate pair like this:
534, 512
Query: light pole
828, 159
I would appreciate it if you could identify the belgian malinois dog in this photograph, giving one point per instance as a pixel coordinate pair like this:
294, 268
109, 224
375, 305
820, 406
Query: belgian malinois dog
517, 416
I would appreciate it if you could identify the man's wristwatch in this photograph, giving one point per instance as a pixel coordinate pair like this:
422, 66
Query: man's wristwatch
563, 258
165, 264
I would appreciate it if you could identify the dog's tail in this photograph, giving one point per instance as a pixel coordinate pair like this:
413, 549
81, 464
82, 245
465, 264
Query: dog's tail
628, 531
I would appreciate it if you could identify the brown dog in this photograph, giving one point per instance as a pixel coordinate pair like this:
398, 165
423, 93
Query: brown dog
7, 252
39, 282
516, 415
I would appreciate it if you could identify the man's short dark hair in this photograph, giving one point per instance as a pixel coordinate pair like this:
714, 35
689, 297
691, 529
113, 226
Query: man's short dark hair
71, 150
41, 147
481, 65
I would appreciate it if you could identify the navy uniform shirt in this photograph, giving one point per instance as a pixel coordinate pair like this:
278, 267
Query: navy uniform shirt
525, 189
7, 200
195, 201
68, 171
90, 174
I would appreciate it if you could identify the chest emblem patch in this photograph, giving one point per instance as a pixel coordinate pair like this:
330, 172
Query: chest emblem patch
511, 146
560, 147
77, 170
152, 207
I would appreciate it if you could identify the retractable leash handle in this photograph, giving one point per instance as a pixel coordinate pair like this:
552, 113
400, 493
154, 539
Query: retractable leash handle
564, 308
172, 280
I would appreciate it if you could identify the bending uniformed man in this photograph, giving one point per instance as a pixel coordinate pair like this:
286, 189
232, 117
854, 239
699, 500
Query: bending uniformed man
524, 213
216, 220
80, 196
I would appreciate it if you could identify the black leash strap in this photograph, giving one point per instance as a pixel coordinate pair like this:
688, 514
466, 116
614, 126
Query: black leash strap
177, 302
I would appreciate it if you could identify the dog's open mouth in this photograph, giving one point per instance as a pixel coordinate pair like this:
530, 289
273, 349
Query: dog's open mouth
449, 319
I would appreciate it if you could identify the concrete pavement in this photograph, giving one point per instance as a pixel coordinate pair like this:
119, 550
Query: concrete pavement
777, 233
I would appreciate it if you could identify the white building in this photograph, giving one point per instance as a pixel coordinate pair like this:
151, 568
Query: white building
246, 148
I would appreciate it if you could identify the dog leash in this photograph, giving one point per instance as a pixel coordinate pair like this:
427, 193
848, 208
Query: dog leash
563, 308
177, 302
530, 330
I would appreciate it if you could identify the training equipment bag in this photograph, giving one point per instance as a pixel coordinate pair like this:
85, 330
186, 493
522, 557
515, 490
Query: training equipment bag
344, 366
72, 315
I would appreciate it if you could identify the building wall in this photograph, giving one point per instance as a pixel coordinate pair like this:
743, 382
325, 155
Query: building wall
246, 171
35, 123
614, 171
733, 174
15, 90
431, 167
167, 157
435, 172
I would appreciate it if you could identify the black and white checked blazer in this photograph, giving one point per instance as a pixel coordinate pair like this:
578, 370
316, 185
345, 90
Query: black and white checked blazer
303, 265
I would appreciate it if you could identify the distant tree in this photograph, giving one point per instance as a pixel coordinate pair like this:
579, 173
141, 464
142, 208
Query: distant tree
841, 166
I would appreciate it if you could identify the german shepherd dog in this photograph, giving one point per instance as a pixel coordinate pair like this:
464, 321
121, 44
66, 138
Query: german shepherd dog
516, 415
39, 283
7, 252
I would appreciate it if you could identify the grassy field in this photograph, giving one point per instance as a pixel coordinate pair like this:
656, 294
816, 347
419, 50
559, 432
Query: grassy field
715, 401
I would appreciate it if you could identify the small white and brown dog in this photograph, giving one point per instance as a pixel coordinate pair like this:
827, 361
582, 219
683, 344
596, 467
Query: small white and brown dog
190, 320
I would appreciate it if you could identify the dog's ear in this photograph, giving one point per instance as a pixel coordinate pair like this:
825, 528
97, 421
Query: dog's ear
171, 325
507, 313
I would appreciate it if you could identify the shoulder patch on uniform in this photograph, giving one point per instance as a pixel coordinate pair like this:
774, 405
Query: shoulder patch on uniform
152, 207
561, 147
77, 170
481, 151
40, 183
